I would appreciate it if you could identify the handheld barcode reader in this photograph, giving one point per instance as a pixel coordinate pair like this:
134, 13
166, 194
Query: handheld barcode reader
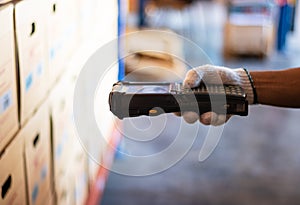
132, 99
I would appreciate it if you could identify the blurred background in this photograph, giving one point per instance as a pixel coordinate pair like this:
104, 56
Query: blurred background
58, 62
257, 160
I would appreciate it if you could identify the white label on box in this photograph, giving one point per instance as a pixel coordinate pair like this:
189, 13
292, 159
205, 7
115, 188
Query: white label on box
5, 101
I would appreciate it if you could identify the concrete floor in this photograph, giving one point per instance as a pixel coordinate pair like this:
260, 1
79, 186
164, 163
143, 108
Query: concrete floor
257, 160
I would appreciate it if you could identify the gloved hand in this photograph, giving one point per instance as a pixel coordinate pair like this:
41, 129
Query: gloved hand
211, 74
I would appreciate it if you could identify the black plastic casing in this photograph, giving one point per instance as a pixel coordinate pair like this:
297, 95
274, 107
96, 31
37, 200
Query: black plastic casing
129, 104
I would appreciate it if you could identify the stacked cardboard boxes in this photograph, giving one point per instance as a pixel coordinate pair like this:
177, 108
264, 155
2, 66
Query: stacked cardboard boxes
249, 28
12, 175
43, 46
31, 44
8, 87
36, 134
69, 156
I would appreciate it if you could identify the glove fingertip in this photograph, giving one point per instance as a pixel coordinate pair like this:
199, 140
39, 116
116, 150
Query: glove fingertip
192, 79
190, 117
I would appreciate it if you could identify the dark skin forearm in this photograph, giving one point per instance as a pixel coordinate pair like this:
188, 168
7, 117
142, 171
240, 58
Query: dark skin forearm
278, 88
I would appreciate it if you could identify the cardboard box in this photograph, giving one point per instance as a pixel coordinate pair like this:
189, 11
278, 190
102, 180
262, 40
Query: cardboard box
154, 55
64, 32
62, 134
9, 122
147, 69
30, 16
65, 191
96, 145
86, 12
5, 1
105, 20
71, 28
80, 168
12, 175
243, 39
36, 134
68, 174
50, 200
91, 141
55, 42
65, 183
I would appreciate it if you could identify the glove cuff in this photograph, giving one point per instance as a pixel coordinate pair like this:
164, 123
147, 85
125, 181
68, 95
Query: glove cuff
247, 84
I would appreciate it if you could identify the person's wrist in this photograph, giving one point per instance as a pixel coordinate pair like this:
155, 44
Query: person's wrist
247, 84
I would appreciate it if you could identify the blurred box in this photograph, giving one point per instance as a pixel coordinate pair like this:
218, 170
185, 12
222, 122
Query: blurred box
5, 1
55, 42
154, 55
60, 111
92, 142
105, 20
50, 200
248, 36
64, 182
65, 190
36, 134
9, 122
30, 16
69, 160
62, 134
80, 173
86, 14
133, 6
71, 28
71, 178
149, 69
12, 175
64, 31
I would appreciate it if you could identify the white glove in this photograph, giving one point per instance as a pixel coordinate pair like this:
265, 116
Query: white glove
211, 74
